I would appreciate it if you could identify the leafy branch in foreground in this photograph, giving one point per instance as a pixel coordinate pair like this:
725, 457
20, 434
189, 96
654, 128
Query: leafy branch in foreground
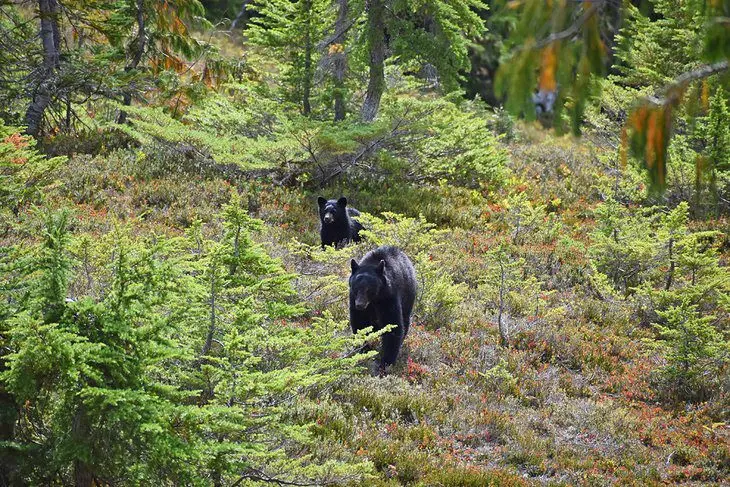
559, 47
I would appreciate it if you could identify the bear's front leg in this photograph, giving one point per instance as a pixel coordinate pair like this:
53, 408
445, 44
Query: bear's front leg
392, 342
359, 319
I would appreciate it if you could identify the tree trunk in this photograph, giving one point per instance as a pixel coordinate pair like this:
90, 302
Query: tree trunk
429, 72
80, 430
8, 418
242, 17
376, 44
307, 81
50, 37
670, 274
340, 60
503, 329
211, 328
139, 49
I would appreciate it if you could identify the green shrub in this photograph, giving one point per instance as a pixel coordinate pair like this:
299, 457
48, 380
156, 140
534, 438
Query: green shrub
473, 477
696, 355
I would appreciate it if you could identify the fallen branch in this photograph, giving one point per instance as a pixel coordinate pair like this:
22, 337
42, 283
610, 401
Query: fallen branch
260, 476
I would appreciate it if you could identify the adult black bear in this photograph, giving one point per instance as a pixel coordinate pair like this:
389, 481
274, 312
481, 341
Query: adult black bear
337, 225
382, 292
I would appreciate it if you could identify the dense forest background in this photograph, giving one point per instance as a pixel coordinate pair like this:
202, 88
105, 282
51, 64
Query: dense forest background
558, 171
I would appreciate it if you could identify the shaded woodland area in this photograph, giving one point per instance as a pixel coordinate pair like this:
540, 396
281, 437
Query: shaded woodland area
558, 172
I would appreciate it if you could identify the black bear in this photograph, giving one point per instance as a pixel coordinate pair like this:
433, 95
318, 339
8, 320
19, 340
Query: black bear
337, 224
382, 292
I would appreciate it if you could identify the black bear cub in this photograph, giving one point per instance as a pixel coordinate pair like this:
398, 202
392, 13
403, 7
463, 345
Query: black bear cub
337, 225
382, 292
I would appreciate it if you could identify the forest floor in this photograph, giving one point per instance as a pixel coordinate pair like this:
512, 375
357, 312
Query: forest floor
569, 401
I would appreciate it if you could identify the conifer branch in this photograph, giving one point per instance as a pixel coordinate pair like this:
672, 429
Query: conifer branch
672, 92
563, 34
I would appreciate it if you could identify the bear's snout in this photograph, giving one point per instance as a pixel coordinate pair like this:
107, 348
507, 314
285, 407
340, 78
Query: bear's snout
361, 302
328, 217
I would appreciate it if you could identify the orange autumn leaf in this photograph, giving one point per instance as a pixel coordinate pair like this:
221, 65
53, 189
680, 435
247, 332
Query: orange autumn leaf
705, 95
178, 26
548, 68
651, 130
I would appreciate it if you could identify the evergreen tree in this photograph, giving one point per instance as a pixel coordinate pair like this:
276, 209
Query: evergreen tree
292, 30
694, 351
179, 367
714, 164
434, 32
100, 50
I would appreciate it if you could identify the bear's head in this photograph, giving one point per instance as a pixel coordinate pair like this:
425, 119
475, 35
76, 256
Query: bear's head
332, 210
366, 282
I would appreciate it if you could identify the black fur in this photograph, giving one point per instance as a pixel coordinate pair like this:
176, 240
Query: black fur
382, 292
338, 227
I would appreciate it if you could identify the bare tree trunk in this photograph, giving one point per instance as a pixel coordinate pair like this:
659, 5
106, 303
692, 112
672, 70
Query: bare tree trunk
139, 49
242, 17
307, 81
503, 329
340, 60
670, 274
211, 328
50, 37
376, 41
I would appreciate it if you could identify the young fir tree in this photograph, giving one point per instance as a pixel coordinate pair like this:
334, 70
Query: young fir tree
696, 354
117, 385
622, 249
24, 176
249, 366
688, 268
81, 366
504, 276
292, 31
714, 164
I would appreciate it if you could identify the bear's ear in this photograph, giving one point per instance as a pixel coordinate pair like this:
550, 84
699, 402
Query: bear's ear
354, 265
342, 201
381, 267
321, 201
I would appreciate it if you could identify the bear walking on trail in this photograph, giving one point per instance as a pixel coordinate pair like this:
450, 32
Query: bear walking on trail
382, 292
337, 224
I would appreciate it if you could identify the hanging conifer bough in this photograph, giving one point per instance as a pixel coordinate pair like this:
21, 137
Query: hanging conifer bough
117, 50
558, 47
